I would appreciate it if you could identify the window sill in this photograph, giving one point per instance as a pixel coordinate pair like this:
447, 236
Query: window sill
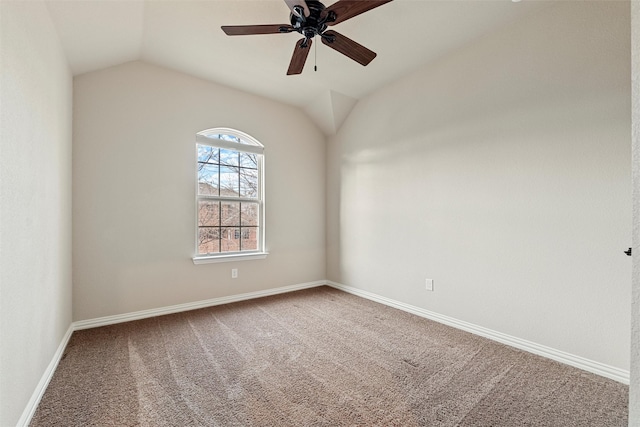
229, 258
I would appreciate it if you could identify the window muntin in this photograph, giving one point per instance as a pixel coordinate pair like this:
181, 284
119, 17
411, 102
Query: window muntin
229, 200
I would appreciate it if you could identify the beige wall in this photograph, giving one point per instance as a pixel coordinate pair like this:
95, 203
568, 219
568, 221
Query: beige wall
501, 171
634, 391
35, 201
134, 188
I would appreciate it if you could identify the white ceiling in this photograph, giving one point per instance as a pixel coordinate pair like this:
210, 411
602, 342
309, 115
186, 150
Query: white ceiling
185, 35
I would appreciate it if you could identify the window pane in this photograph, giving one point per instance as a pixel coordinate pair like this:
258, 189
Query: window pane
207, 179
249, 239
226, 137
229, 157
230, 213
229, 138
208, 240
229, 182
227, 175
208, 213
248, 160
249, 214
230, 239
248, 183
208, 154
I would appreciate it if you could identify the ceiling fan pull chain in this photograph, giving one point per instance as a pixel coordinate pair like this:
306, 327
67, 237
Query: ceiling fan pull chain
315, 58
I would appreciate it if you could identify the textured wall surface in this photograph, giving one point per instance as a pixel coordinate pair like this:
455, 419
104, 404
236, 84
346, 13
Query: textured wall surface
503, 172
35, 201
634, 390
134, 188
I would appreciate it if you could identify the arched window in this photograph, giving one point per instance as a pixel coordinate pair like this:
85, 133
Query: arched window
229, 196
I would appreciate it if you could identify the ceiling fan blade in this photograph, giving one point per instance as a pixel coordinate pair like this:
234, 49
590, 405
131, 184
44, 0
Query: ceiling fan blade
346, 9
348, 47
299, 3
299, 57
245, 30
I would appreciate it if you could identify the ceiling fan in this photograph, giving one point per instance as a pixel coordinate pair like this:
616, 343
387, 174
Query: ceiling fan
311, 18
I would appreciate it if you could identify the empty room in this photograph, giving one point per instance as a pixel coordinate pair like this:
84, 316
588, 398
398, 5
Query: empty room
305, 213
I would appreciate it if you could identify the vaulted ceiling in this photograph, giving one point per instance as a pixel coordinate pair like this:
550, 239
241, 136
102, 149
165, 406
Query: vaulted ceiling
185, 36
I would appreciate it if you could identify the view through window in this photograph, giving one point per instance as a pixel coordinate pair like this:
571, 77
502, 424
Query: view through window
229, 195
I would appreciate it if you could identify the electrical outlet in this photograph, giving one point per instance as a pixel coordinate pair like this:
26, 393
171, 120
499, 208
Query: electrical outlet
234, 273
429, 284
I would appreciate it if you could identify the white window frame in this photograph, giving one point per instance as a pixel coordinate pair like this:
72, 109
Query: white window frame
254, 147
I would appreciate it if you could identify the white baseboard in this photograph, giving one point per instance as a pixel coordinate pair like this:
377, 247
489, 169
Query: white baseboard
127, 317
31, 407
597, 368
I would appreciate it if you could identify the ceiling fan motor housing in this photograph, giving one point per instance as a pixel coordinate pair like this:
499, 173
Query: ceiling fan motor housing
315, 23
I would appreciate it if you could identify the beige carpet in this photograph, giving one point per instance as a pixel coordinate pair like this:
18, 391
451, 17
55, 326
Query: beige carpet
318, 357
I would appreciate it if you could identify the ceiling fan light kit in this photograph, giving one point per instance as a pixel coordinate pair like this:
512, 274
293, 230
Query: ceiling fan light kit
311, 18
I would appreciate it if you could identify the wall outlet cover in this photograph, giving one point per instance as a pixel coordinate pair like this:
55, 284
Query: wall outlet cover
429, 284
